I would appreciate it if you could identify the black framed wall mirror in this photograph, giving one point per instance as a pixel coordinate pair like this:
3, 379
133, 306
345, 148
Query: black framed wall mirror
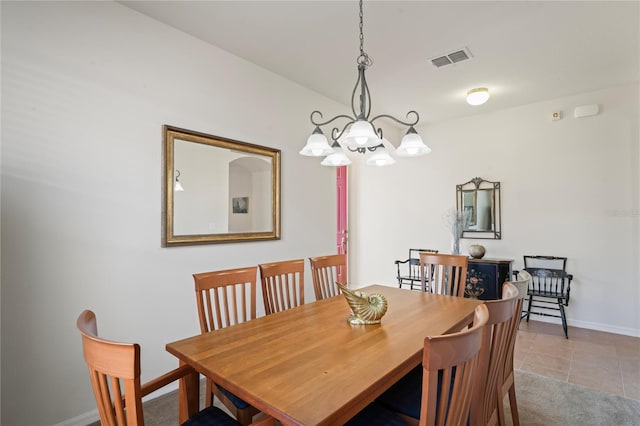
218, 190
478, 202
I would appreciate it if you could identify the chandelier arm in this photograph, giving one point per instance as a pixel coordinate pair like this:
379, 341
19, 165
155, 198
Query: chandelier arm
373, 148
406, 123
318, 123
363, 150
361, 112
335, 135
357, 149
365, 92
364, 96
353, 95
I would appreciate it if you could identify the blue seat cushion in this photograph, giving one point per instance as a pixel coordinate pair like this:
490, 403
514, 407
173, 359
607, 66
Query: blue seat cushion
211, 416
405, 396
239, 403
375, 414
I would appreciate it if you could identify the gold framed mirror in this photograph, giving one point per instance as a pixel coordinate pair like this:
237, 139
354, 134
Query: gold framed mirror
218, 190
478, 203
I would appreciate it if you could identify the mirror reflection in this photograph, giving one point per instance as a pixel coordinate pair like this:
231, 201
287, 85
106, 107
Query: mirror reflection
219, 190
478, 201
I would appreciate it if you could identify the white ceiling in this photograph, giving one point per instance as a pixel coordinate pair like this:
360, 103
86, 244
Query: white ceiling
523, 52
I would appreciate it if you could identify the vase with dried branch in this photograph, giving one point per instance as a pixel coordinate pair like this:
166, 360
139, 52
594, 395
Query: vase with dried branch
457, 222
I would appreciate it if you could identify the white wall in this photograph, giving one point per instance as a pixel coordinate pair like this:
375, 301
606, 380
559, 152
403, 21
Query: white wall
262, 200
86, 88
569, 188
204, 174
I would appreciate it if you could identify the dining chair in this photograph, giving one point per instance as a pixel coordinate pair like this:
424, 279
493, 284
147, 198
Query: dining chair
324, 272
440, 391
224, 298
408, 271
115, 371
507, 383
450, 363
443, 273
492, 358
282, 285
550, 287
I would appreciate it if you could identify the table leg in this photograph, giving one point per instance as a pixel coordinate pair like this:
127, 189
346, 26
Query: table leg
188, 395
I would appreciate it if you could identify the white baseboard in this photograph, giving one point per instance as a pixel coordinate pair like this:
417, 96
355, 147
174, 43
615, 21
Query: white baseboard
81, 420
93, 416
627, 331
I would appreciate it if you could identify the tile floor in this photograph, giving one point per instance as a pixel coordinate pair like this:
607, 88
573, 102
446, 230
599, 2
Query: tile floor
604, 361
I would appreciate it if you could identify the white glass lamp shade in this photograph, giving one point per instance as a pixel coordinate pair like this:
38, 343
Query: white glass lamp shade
478, 96
380, 158
177, 186
337, 158
412, 145
361, 135
317, 145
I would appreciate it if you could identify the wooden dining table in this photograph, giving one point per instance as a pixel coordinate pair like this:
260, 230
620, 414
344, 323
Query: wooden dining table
308, 365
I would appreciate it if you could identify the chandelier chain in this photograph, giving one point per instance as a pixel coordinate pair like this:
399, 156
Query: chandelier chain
361, 33
363, 59
361, 134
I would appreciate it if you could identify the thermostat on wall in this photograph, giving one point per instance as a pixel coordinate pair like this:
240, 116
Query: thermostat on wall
586, 110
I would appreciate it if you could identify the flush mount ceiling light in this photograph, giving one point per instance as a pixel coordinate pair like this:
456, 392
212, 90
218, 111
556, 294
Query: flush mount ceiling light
359, 134
478, 96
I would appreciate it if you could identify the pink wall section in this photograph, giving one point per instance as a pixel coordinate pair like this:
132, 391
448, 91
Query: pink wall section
342, 235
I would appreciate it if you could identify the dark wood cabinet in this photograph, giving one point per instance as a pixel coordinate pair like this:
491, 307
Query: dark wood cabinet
486, 276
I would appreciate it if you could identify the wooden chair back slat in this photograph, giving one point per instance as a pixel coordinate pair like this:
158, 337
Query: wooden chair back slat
117, 400
449, 367
282, 285
225, 297
324, 272
506, 383
514, 322
443, 273
114, 370
493, 353
113, 366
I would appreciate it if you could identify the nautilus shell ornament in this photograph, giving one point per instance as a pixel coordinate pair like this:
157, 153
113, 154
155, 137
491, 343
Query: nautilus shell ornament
366, 309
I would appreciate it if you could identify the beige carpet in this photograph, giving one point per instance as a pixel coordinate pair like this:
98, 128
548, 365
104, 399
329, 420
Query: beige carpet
541, 401
545, 401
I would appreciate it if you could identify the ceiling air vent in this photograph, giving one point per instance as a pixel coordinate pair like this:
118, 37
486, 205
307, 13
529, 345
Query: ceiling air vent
451, 58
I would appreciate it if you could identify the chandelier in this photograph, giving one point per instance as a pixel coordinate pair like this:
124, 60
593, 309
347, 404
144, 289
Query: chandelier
359, 134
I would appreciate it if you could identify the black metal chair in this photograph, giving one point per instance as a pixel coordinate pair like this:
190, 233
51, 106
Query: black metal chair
550, 287
409, 270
